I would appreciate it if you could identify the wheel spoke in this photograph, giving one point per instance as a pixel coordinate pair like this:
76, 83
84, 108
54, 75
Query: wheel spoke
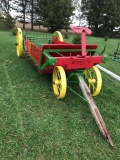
90, 75
93, 88
58, 75
55, 74
94, 76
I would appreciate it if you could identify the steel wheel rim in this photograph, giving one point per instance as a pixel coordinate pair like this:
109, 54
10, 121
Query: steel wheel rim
19, 39
94, 80
59, 35
59, 82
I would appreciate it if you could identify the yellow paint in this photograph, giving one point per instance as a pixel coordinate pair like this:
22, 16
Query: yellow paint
60, 37
19, 39
59, 82
94, 79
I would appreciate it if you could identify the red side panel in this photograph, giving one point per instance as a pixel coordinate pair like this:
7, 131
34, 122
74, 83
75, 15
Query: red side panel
74, 63
68, 46
34, 51
78, 63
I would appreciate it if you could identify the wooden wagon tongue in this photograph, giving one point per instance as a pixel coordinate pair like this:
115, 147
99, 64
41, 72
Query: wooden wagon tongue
94, 110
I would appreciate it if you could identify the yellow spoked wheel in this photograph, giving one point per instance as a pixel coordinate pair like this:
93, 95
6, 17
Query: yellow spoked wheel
59, 35
59, 82
94, 80
19, 38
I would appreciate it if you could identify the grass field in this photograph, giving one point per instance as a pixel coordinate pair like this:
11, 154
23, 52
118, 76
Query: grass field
34, 125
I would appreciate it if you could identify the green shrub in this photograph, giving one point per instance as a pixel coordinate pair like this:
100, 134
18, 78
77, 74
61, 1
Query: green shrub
76, 39
6, 22
66, 36
14, 31
106, 38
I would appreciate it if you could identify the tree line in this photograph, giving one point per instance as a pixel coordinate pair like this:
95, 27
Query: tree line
102, 16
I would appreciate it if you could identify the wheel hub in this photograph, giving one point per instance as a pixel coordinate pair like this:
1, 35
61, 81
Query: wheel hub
56, 82
91, 81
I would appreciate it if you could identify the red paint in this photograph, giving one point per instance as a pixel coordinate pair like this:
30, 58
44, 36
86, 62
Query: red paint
68, 46
34, 51
80, 30
71, 60
83, 31
74, 63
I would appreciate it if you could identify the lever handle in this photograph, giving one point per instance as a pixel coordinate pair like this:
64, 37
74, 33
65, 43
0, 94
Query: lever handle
79, 30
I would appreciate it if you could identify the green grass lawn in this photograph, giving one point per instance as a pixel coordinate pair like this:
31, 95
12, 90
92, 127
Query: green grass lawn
34, 125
